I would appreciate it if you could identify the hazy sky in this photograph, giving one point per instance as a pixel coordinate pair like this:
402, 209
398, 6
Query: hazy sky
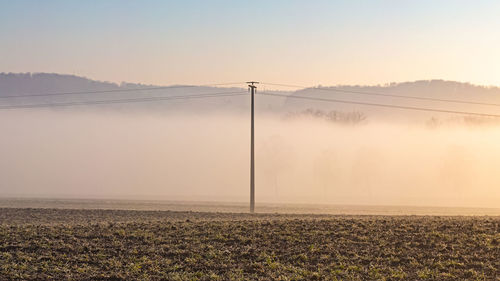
299, 42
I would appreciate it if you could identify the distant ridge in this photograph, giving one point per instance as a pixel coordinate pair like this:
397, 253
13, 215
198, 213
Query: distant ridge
19, 83
52, 88
12, 84
26, 83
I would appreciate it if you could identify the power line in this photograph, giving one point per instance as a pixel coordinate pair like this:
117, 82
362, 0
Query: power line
385, 95
115, 90
119, 101
382, 105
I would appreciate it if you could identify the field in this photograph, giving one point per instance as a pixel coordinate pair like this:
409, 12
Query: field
64, 244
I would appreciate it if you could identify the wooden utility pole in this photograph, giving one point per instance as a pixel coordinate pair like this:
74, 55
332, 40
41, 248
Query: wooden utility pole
253, 89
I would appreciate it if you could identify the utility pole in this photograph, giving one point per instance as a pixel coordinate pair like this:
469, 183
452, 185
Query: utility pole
253, 88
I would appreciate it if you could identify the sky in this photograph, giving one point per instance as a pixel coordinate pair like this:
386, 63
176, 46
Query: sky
276, 41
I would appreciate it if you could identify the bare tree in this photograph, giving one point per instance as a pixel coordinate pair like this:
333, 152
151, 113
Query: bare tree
348, 118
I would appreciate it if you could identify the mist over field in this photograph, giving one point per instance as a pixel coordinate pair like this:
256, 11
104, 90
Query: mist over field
249, 140
299, 158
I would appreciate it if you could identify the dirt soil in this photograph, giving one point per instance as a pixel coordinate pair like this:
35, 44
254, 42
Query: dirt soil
43, 244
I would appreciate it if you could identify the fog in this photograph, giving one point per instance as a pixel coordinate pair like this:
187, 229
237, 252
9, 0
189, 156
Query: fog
76, 154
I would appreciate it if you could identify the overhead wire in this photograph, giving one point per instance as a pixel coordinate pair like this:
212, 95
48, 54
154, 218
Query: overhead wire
115, 90
236, 93
129, 100
384, 94
380, 105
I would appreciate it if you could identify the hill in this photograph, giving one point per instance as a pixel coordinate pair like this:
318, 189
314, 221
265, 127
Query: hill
18, 84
